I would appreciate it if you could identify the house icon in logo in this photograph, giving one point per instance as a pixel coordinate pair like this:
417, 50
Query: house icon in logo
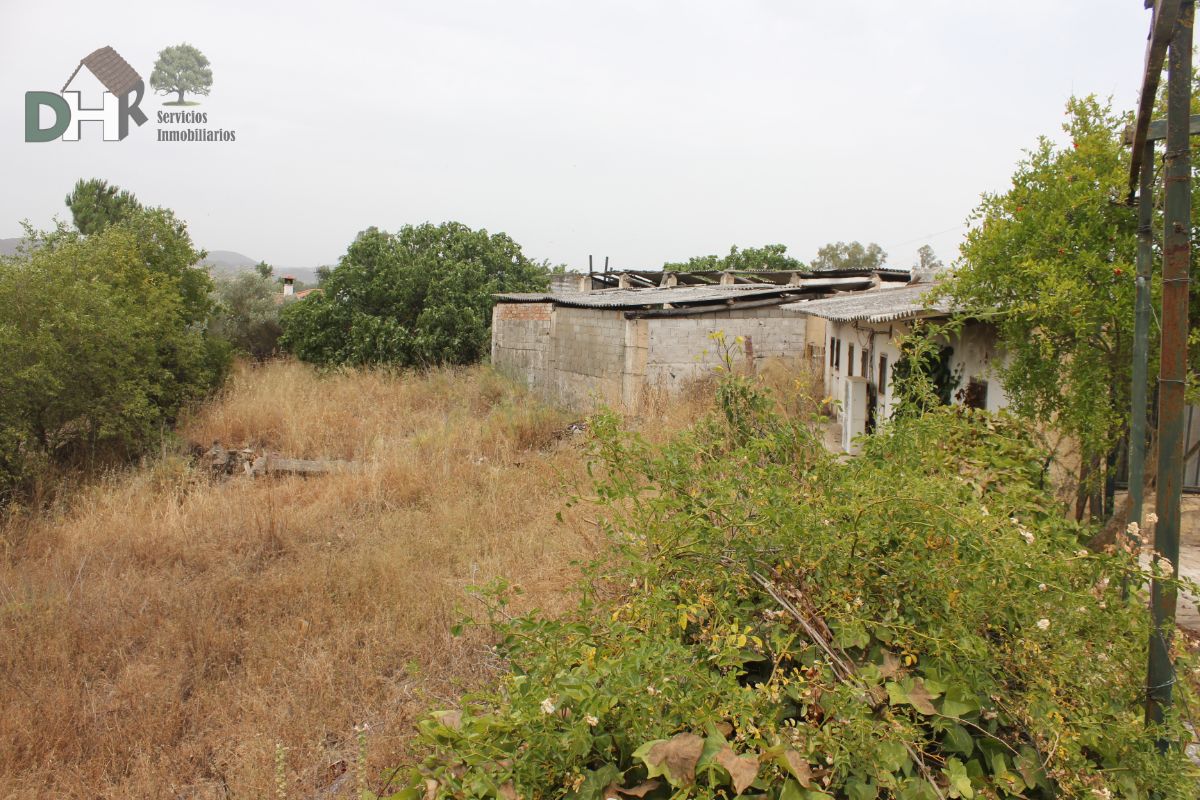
124, 90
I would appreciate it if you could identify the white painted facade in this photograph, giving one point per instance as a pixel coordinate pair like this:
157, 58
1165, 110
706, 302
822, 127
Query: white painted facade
870, 350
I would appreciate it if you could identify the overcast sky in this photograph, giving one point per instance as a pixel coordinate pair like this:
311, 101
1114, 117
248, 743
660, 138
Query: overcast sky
645, 131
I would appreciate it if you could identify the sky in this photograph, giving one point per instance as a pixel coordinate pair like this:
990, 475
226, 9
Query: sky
642, 131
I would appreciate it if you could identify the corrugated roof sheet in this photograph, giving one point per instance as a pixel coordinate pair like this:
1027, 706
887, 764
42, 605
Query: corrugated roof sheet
639, 298
880, 305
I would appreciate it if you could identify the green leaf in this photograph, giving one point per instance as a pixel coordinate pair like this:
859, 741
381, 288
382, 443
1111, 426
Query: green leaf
960, 781
958, 740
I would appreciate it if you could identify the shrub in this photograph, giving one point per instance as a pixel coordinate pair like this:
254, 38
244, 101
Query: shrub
246, 313
101, 343
421, 297
919, 622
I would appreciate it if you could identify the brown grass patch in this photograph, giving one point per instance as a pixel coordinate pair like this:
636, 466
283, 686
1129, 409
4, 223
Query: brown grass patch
172, 635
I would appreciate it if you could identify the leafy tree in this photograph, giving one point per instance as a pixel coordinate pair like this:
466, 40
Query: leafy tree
1050, 260
264, 270
420, 296
179, 69
769, 257
163, 239
94, 203
927, 259
102, 349
246, 313
849, 255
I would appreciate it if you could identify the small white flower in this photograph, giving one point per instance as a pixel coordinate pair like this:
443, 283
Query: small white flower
1132, 529
1027, 536
591, 720
1041, 587
983, 510
1043, 624
547, 706
651, 690
1083, 553
1151, 518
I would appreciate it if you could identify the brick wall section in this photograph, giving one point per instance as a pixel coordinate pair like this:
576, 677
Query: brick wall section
521, 340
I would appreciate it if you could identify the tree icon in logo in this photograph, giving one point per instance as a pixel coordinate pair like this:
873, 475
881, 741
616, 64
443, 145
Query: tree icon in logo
179, 69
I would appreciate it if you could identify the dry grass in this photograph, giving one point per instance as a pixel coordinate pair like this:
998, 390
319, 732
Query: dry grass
171, 635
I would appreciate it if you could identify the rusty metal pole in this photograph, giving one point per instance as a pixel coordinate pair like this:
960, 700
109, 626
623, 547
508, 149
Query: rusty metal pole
1173, 369
1141, 335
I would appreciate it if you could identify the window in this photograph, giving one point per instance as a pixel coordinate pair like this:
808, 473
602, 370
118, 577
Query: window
832, 352
850, 361
866, 362
882, 376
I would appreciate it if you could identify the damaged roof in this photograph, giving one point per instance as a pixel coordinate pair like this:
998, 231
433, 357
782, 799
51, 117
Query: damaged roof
641, 298
880, 305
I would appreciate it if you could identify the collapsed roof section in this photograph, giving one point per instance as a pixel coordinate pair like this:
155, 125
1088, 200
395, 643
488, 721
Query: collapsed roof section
666, 294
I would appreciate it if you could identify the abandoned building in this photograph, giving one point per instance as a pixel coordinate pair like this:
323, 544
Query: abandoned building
620, 335
862, 330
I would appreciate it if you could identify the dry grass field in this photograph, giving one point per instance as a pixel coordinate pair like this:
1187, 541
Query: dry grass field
164, 633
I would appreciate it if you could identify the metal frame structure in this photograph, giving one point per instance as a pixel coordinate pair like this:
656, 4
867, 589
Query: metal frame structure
1170, 40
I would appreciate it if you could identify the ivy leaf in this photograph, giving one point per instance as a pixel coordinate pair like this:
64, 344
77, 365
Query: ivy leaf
960, 781
958, 702
641, 790
958, 740
797, 765
675, 759
913, 693
742, 769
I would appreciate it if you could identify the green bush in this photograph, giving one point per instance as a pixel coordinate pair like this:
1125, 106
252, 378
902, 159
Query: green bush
422, 296
103, 344
918, 622
246, 313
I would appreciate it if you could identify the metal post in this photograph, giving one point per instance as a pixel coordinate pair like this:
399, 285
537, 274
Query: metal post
1141, 335
1172, 371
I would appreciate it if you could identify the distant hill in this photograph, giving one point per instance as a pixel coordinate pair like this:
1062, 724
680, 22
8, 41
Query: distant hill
8, 247
230, 262
219, 262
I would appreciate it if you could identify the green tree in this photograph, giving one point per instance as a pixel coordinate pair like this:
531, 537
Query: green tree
421, 296
94, 204
770, 257
927, 259
849, 255
1050, 260
101, 351
246, 313
179, 69
163, 239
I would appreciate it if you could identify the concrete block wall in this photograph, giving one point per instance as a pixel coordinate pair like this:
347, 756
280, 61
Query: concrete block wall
587, 356
681, 349
582, 357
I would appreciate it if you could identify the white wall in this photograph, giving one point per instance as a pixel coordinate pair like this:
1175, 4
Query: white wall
975, 355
